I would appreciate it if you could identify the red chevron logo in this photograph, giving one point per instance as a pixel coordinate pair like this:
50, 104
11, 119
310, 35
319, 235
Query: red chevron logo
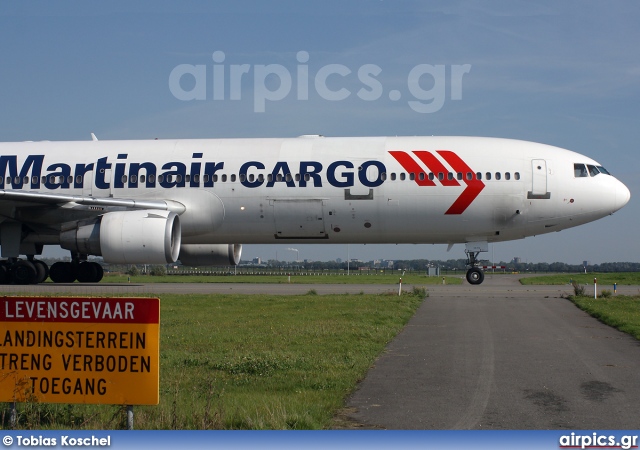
433, 164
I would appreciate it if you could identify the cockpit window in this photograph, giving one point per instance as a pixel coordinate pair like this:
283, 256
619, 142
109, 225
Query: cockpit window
603, 170
593, 170
580, 170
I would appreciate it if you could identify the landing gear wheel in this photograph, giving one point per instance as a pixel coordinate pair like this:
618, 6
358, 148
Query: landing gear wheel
5, 273
90, 272
42, 270
62, 272
24, 272
99, 272
475, 276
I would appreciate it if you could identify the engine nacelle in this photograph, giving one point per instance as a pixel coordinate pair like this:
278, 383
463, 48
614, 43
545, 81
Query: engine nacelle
127, 237
210, 254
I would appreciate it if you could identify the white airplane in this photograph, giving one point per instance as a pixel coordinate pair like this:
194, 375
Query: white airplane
197, 201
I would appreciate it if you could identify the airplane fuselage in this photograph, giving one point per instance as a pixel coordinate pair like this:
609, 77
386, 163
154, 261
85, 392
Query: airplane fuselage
311, 189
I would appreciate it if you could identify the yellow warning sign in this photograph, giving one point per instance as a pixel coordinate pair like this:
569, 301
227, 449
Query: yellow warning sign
80, 350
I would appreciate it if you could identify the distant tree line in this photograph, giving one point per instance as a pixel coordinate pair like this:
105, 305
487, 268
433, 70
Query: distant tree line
412, 265
454, 264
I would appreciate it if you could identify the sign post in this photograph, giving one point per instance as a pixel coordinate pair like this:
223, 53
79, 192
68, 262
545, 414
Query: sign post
80, 350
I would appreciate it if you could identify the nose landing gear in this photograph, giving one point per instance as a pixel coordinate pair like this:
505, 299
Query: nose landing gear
475, 275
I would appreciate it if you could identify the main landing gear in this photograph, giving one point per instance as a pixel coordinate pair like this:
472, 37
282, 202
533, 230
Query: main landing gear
34, 271
20, 271
68, 272
475, 275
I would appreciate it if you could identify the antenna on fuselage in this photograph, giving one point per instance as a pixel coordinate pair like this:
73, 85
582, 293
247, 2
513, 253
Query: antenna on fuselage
93, 137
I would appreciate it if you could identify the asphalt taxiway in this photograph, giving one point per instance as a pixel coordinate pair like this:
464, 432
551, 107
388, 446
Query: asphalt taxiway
501, 357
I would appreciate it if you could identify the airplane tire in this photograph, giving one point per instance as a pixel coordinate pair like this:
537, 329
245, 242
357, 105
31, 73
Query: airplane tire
87, 272
24, 272
475, 276
99, 272
5, 274
62, 272
90, 272
42, 270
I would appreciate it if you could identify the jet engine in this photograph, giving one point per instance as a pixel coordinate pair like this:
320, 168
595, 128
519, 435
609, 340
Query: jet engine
127, 237
210, 254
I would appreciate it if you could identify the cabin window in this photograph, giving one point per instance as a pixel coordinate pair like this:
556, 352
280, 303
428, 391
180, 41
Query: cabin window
498, 175
383, 176
469, 176
224, 178
393, 176
233, 177
431, 176
516, 175
440, 176
412, 176
421, 176
243, 178
479, 175
403, 176
488, 175
507, 176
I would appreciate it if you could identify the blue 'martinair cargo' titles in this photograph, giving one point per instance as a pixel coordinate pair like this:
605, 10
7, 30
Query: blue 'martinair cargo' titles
32, 174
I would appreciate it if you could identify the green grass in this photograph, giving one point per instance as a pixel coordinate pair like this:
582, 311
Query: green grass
621, 278
621, 312
251, 362
283, 279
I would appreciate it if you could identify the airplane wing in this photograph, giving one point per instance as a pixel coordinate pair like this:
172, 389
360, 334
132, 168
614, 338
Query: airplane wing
45, 198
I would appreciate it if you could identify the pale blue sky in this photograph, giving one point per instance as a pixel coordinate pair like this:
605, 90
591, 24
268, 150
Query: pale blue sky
563, 73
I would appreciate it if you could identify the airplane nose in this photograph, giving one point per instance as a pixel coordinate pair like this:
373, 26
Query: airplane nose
622, 196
